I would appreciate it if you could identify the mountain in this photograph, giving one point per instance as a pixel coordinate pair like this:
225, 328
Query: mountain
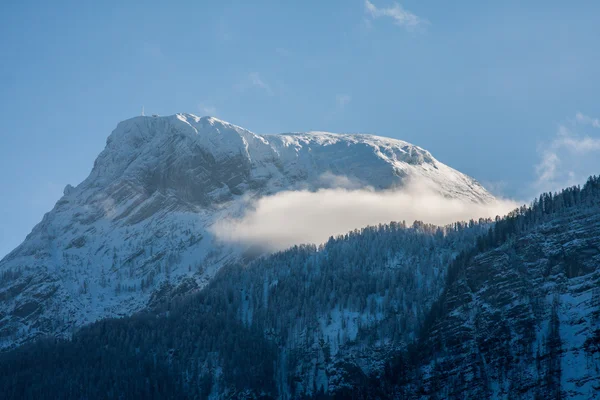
283, 326
504, 309
137, 231
520, 314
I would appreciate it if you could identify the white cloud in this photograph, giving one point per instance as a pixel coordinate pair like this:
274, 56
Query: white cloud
571, 156
581, 145
584, 119
546, 169
399, 14
295, 217
342, 100
332, 181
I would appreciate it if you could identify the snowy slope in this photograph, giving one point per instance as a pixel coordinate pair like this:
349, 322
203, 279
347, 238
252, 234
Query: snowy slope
141, 220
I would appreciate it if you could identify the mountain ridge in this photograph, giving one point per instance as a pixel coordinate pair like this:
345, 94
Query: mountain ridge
505, 309
143, 216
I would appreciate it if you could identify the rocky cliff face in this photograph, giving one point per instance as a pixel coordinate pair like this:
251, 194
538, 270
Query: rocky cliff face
139, 226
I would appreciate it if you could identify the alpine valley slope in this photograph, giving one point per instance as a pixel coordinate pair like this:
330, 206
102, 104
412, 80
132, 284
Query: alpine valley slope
137, 230
492, 310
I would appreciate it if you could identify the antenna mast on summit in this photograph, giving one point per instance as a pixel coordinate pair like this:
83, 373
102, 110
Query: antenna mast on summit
142, 111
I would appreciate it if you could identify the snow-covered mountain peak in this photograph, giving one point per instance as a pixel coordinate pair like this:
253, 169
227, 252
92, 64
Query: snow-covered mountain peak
143, 216
377, 143
147, 138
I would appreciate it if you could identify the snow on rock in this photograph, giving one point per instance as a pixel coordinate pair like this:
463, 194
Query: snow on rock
523, 319
140, 223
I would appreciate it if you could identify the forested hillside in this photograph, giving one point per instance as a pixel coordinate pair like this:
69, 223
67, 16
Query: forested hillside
296, 323
520, 314
491, 309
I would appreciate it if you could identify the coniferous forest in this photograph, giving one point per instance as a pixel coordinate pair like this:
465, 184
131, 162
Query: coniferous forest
406, 311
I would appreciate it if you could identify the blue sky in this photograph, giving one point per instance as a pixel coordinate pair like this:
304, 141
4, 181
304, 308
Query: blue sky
503, 91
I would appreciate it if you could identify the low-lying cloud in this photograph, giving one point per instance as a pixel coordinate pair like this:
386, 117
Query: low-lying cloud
294, 217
